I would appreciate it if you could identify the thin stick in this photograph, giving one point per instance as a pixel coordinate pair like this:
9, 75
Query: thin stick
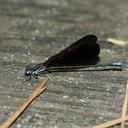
40, 88
118, 42
124, 108
112, 123
120, 120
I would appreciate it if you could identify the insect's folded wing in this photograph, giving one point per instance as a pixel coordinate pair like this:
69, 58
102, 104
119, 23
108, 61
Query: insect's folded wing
84, 51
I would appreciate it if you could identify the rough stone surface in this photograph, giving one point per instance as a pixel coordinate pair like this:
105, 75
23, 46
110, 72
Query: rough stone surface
32, 31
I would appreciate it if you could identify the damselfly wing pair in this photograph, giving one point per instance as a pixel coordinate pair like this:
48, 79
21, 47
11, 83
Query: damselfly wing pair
83, 54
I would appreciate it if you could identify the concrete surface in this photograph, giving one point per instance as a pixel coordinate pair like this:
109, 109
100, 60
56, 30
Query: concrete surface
31, 31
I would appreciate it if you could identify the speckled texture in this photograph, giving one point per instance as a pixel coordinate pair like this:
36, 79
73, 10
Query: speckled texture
31, 31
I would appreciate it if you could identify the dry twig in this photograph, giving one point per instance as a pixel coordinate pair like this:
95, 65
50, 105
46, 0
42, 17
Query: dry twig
121, 120
112, 122
40, 88
124, 109
117, 42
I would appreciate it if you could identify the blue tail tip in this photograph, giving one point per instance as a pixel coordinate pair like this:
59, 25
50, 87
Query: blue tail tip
117, 63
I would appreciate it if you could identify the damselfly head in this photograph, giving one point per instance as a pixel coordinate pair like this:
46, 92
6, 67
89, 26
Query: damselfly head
34, 71
28, 71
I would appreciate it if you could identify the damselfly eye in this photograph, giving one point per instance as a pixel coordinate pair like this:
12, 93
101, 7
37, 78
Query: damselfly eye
27, 67
27, 71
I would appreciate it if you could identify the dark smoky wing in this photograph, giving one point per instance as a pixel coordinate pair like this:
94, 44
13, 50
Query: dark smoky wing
84, 51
